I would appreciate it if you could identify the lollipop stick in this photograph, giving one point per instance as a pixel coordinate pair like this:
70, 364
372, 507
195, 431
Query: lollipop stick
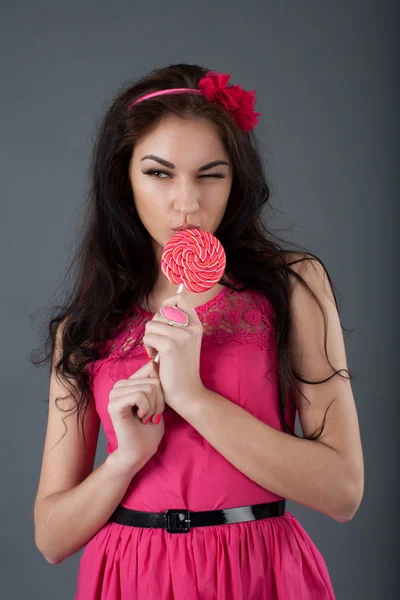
193, 256
181, 287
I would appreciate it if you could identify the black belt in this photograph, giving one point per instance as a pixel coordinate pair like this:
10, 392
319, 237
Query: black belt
181, 520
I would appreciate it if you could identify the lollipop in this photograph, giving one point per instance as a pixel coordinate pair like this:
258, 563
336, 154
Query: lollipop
195, 259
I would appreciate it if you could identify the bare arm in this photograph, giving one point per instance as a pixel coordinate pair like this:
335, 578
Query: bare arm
73, 502
67, 520
326, 474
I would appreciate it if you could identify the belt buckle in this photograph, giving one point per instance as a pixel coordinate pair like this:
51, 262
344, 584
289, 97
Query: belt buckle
178, 520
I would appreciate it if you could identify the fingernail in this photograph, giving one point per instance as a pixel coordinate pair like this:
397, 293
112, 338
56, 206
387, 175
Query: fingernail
147, 421
157, 419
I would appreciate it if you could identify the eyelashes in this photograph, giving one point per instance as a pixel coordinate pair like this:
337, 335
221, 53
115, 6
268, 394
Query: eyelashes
152, 173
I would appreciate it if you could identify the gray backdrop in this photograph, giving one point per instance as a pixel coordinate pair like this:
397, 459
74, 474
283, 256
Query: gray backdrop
325, 76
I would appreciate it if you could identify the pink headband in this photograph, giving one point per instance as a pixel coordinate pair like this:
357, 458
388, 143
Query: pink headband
238, 102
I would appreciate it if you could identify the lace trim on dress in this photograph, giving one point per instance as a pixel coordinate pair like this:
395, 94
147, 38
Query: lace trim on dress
241, 316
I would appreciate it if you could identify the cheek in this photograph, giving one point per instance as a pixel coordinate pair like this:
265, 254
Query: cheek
218, 198
147, 199
221, 191
145, 192
150, 212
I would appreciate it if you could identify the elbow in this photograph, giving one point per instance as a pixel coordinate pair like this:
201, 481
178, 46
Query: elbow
46, 539
351, 504
53, 560
50, 559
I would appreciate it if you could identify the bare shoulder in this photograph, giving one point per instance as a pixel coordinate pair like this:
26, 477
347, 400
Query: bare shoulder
318, 355
313, 313
309, 270
305, 263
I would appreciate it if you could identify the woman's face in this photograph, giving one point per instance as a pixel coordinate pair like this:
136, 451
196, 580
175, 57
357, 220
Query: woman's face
180, 192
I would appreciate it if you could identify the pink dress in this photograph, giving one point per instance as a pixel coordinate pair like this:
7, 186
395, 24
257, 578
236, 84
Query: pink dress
267, 559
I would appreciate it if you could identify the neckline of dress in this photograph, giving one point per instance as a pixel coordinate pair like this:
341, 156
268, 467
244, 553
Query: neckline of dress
201, 308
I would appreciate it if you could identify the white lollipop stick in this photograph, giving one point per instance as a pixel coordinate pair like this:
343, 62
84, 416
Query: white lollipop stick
181, 287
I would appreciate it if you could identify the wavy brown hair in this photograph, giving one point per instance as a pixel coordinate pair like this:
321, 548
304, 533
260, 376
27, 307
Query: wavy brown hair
114, 267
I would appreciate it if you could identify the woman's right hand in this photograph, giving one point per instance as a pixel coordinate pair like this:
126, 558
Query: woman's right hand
131, 402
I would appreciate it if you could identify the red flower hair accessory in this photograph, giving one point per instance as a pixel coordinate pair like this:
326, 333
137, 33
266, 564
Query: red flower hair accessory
214, 86
237, 101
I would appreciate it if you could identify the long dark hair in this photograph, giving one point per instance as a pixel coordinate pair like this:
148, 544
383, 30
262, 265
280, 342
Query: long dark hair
115, 267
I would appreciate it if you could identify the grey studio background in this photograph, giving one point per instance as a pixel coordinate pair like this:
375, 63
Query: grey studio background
325, 77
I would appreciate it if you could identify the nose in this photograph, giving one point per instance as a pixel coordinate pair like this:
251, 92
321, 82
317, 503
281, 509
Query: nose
186, 200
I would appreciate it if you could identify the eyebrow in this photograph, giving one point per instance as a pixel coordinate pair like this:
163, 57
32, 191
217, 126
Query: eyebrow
166, 163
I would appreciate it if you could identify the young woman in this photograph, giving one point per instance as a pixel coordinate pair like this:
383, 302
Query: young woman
190, 502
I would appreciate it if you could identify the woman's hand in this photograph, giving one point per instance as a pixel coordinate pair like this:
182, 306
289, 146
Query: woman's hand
179, 349
131, 402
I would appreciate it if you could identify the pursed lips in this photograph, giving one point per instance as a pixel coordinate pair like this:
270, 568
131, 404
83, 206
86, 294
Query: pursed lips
183, 227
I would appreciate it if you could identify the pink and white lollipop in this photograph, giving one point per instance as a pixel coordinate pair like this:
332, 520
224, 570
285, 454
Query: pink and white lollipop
193, 259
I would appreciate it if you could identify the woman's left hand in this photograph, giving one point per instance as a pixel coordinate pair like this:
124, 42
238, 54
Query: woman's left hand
179, 348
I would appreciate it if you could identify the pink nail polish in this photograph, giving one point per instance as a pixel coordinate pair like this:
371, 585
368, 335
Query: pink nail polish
147, 421
157, 419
